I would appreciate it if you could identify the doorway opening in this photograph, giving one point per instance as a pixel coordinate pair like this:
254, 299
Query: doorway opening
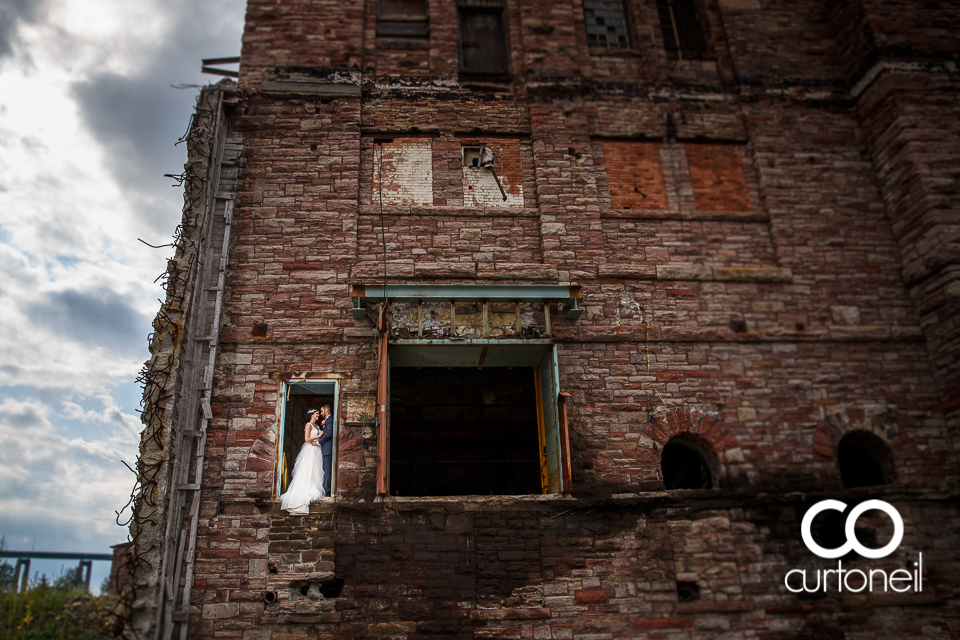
299, 396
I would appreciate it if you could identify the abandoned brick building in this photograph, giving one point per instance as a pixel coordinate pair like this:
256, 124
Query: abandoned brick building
605, 296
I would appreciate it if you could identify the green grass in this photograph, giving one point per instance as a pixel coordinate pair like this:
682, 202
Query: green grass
46, 613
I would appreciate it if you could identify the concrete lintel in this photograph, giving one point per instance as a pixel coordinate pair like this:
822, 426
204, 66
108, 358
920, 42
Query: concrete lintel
285, 88
467, 292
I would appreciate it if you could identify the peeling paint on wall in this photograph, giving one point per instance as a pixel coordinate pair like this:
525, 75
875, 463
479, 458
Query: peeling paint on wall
404, 168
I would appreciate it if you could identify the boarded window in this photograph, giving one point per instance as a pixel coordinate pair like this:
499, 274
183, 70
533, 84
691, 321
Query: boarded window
606, 24
402, 19
479, 186
684, 35
403, 171
483, 41
635, 175
716, 172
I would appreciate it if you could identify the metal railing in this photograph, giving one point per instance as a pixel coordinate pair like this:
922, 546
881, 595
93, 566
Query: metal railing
24, 557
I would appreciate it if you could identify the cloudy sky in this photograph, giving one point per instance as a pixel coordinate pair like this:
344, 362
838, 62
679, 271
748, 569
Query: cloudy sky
88, 124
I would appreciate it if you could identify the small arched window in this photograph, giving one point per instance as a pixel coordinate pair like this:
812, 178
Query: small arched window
864, 459
684, 465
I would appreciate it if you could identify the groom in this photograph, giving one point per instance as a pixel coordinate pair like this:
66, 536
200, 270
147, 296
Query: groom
326, 445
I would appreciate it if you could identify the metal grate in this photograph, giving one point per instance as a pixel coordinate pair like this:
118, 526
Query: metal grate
606, 24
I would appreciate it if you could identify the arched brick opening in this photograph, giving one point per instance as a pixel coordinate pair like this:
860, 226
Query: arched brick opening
860, 440
687, 463
864, 460
698, 430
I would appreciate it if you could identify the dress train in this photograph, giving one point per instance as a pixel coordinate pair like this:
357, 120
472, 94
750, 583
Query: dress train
306, 485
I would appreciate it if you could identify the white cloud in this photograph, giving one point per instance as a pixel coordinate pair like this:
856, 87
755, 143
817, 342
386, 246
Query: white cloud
88, 124
49, 475
109, 415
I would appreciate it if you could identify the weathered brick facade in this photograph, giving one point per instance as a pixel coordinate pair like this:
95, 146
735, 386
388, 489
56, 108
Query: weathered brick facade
767, 241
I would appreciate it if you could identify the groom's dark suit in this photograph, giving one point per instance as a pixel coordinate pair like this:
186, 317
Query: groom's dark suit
326, 450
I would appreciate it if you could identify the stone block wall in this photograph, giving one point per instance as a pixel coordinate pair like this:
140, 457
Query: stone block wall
764, 240
677, 568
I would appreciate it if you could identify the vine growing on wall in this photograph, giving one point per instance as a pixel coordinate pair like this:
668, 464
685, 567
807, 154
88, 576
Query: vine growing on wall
158, 378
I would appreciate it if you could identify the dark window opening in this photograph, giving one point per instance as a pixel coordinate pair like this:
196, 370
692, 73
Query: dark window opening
463, 431
300, 398
403, 20
684, 35
864, 460
606, 24
483, 41
683, 466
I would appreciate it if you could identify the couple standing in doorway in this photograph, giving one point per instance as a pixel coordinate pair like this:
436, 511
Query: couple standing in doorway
311, 471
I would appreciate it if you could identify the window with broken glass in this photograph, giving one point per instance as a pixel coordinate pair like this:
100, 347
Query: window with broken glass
606, 23
683, 26
403, 20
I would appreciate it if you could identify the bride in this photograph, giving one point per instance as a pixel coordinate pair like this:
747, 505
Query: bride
307, 483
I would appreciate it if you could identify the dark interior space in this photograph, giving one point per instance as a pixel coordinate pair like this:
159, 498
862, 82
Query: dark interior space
864, 460
683, 467
294, 419
463, 431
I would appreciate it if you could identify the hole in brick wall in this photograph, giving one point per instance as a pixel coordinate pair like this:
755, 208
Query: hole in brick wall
259, 330
684, 464
864, 459
800, 326
738, 326
688, 591
271, 568
331, 588
316, 590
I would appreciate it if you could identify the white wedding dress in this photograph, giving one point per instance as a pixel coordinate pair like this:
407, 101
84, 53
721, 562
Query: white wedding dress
307, 482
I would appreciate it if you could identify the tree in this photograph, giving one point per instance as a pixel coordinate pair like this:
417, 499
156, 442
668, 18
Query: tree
8, 574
